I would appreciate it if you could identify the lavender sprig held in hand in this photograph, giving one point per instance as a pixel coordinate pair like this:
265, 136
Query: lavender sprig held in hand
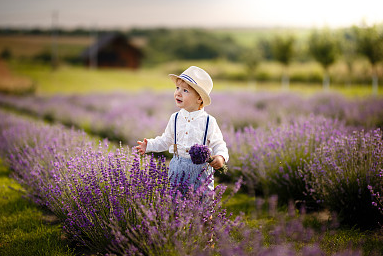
201, 154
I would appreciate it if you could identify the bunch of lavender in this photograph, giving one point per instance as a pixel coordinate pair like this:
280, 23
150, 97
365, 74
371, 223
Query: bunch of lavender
201, 154
343, 173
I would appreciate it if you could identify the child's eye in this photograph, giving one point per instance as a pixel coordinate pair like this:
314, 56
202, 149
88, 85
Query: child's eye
185, 90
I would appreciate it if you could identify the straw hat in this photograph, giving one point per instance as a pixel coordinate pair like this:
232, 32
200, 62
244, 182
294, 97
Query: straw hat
199, 79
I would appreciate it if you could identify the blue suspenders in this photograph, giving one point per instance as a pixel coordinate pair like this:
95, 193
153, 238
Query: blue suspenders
175, 128
175, 132
207, 126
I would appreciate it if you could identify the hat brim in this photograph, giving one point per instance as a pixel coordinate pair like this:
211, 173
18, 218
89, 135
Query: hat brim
205, 97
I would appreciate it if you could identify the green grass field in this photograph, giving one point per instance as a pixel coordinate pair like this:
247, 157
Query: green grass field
249, 36
26, 229
26, 46
81, 80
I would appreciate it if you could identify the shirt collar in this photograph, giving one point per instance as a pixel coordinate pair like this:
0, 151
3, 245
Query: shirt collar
193, 114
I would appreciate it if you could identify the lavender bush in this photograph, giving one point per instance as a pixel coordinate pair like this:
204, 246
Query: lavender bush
342, 173
32, 149
95, 191
116, 117
377, 200
272, 160
282, 234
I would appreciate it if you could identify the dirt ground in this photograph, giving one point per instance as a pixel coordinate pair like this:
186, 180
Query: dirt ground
12, 84
4, 71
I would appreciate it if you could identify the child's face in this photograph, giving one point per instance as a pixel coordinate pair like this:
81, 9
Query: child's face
186, 97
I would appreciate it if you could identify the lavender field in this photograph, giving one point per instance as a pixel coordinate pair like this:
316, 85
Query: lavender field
319, 152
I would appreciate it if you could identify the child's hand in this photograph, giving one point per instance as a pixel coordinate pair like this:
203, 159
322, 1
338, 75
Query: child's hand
218, 161
142, 146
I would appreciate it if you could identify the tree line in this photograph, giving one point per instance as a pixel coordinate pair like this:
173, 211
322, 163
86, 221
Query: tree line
325, 46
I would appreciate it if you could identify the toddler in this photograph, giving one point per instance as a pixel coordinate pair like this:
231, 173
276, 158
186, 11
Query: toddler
189, 126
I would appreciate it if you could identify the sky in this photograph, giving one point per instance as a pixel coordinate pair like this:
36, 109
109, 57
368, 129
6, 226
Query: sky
189, 13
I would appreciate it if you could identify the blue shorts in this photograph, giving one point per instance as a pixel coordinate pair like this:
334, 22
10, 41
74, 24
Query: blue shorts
181, 169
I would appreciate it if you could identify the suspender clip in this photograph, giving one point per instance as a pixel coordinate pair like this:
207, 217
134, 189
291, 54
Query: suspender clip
175, 150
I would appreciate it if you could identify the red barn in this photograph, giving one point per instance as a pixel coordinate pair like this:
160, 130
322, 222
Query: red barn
112, 50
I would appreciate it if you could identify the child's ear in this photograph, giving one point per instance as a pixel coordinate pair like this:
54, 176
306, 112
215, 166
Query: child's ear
199, 100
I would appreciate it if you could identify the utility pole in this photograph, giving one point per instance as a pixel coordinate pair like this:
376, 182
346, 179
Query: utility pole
93, 53
54, 55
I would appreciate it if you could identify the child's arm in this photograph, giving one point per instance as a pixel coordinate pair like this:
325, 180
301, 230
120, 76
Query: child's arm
142, 146
160, 143
217, 144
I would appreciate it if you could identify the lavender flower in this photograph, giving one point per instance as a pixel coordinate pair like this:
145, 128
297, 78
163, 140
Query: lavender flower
201, 154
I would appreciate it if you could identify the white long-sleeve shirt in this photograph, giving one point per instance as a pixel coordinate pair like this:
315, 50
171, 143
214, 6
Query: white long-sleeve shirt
190, 129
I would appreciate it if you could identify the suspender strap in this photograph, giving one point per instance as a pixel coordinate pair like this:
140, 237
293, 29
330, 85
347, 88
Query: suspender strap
207, 126
175, 128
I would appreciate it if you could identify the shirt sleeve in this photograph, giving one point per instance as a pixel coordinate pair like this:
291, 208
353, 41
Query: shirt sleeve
216, 142
163, 142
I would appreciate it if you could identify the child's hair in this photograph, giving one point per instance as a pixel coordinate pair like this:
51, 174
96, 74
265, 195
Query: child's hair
200, 106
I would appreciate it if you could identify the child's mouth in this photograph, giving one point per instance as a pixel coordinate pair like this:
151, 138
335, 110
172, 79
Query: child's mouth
179, 101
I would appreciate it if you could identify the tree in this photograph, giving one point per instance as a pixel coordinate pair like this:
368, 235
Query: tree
251, 58
283, 51
324, 47
370, 44
348, 49
6, 54
190, 44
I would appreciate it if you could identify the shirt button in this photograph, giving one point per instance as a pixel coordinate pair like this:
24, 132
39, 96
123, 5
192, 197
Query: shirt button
186, 132
189, 121
187, 150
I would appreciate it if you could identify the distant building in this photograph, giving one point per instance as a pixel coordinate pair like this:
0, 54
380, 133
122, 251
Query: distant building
112, 50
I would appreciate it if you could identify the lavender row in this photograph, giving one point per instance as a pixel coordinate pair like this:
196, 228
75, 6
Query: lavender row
114, 202
317, 162
109, 200
128, 117
272, 160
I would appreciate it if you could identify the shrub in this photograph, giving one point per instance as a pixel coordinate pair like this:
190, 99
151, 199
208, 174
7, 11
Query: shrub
272, 161
105, 196
6, 54
341, 174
